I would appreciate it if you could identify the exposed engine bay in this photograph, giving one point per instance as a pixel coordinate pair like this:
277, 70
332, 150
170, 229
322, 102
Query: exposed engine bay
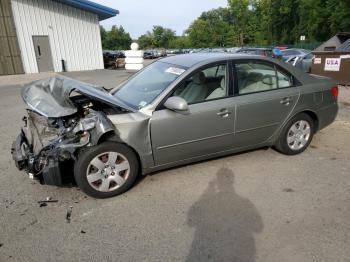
63, 116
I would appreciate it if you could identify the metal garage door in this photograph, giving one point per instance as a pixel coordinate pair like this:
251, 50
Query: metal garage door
10, 56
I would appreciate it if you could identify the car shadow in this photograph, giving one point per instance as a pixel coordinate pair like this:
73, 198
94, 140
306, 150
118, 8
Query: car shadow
224, 223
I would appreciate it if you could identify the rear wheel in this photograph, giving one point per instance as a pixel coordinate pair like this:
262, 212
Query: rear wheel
297, 135
106, 170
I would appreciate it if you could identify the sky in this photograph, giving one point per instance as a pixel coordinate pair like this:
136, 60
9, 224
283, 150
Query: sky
138, 16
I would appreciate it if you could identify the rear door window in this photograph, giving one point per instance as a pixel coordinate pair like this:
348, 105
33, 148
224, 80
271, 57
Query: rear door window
258, 76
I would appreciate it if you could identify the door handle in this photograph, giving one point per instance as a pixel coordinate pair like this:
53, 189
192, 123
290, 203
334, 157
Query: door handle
286, 101
224, 113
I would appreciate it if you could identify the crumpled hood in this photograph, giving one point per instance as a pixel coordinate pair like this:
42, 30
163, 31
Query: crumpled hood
50, 97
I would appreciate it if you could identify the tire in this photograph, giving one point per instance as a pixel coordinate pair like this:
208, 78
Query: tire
98, 177
301, 136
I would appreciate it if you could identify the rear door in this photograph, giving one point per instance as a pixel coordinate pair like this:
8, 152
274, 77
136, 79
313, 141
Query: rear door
265, 97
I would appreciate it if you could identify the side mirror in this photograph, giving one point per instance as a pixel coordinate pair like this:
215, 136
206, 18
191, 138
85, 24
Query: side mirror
176, 103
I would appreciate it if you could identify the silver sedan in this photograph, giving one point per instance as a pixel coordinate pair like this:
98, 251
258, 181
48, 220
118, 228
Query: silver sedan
178, 110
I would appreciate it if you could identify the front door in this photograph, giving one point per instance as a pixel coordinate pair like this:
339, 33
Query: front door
265, 96
43, 53
205, 129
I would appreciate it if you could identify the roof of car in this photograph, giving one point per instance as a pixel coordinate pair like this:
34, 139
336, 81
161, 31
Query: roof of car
296, 49
254, 48
189, 60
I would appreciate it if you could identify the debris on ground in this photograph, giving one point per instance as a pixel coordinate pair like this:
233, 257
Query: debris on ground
83, 232
43, 204
1, 244
9, 203
288, 190
48, 200
69, 214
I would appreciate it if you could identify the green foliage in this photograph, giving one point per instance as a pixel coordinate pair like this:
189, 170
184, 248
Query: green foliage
248, 22
160, 37
339, 15
213, 29
115, 39
147, 41
180, 42
284, 21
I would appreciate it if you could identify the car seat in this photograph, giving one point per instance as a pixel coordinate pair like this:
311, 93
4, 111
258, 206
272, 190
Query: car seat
196, 90
220, 91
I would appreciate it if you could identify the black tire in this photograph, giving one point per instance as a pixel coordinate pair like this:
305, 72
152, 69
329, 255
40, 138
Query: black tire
84, 159
282, 144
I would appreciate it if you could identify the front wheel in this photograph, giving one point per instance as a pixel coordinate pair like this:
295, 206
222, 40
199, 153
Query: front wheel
106, 170
297, 135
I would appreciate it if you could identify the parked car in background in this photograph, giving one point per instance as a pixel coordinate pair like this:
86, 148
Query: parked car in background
178, 110
149, 54
110, 58
212, 50
256, 51
233, 50
302, 62
294, 52
161, 53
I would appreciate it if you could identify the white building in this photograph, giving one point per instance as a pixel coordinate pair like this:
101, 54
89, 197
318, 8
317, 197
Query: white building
52, 35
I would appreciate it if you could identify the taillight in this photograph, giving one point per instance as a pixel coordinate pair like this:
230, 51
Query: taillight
335, 91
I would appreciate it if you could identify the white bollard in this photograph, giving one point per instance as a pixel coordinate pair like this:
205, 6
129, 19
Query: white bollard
134, 58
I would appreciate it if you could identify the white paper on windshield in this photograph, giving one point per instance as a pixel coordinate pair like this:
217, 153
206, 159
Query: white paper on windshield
142, 104
175, 70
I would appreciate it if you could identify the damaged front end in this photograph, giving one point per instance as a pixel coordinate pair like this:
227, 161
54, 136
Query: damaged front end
58, 124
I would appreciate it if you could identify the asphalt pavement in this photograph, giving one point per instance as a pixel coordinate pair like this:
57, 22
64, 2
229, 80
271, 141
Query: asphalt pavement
254, 206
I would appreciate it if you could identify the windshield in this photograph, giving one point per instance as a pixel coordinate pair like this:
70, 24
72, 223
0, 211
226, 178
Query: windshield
145, 86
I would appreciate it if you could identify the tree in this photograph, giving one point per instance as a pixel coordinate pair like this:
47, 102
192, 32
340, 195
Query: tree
199, 34
247, 22
115, 39
163, 36
213, 28
160, 37
147, 41
339, 15
180, 42
241, 14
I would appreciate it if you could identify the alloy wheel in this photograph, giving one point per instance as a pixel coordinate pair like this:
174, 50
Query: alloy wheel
298, 135
108, 171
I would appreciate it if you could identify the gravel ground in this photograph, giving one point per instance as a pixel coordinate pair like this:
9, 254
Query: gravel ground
254, 206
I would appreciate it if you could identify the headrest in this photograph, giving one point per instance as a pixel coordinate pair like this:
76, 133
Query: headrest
255, 77
199, 78
223, 83
268, 80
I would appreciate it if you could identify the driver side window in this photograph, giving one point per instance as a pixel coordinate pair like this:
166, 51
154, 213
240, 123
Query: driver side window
207, 84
